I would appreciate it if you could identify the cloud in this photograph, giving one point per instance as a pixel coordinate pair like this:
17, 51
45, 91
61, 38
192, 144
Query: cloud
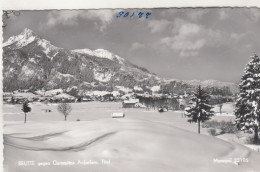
182, 45
196, 14
71, 17
188, 39
254, 14
158, 25
136, 46
237, 37
189, 29
62, 17
105, 16
223, 14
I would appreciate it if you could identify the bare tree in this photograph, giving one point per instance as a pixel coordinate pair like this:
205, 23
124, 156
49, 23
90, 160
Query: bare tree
220, 107
220, 103
65, 109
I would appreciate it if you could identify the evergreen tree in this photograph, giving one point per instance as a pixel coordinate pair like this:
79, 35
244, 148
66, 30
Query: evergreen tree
247, 109
26, 108
199, 110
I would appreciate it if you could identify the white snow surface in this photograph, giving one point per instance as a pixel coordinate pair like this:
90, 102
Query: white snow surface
62, 76
47, 47
142, 141
101, 53
115, 93
124, 89
103, 77
138, 88
63, 95
32, 60
27, 72
131, 101
102, 93
70, 88
155, 88
49, 92
97, 93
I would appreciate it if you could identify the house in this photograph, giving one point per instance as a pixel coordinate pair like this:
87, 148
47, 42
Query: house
130, 103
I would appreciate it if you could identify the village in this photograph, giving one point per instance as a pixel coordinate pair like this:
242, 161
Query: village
129, 99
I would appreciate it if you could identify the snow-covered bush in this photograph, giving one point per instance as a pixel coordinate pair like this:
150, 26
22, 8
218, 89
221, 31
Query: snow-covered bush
227, 127
223, 126
212, 131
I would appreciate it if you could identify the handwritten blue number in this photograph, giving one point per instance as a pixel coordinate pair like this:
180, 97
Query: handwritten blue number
120, 14
126, 14
140, 14
132, 15
147, 15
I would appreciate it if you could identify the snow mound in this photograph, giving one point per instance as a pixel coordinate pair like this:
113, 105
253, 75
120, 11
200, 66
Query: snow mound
121, 141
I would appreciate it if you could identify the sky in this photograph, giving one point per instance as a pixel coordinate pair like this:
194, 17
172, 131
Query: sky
174, 43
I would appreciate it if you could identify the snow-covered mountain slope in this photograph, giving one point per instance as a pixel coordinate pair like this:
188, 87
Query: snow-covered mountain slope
23, 39
100, 53
33, 62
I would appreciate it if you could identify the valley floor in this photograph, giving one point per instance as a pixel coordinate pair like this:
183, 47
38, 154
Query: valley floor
142, 141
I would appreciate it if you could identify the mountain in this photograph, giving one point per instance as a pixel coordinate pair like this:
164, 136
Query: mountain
31, 62
213, 83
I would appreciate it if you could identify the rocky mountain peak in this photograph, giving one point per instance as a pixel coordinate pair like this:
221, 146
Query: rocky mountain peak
24, 38
28, 33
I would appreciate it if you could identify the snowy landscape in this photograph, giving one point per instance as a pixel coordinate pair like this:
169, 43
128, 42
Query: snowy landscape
89, 109
131, 143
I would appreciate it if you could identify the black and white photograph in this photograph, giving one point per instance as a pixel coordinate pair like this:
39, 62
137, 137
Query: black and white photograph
131, 90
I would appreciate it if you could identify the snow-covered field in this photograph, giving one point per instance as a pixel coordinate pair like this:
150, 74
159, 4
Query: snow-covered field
142, 141
227, 109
